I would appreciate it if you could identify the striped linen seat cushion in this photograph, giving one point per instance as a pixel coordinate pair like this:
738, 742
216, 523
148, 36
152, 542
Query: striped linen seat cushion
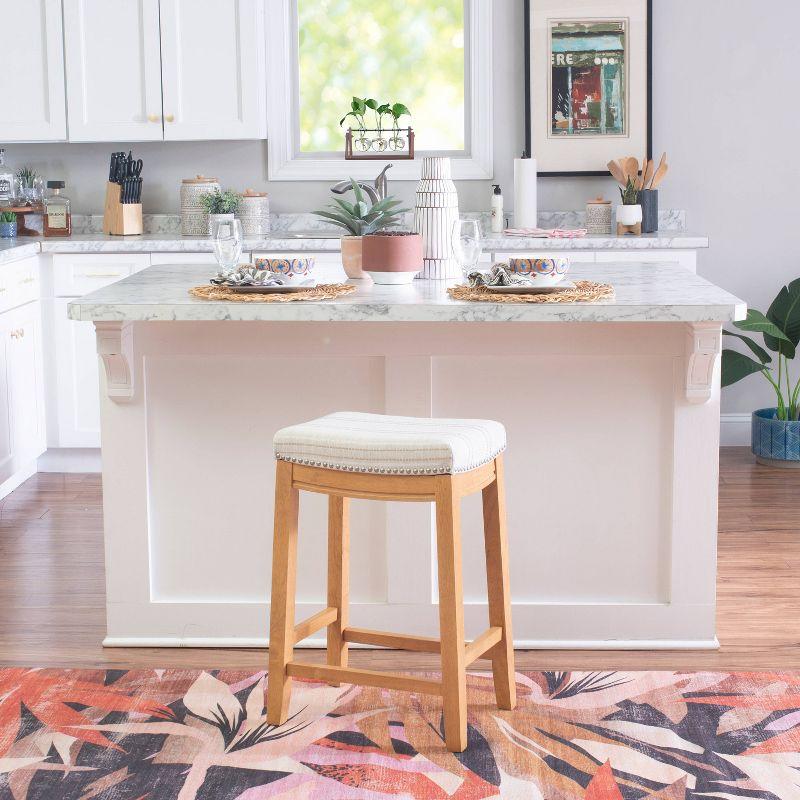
379, 443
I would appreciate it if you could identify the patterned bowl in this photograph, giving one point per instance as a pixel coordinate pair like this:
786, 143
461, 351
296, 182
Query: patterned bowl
288, 267
542, 271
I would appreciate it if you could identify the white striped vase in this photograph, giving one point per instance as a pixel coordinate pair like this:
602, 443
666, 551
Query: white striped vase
435, 213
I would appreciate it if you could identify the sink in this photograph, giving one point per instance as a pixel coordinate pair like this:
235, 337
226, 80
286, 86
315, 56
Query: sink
305, 235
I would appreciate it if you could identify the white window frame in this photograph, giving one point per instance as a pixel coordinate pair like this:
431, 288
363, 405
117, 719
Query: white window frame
286, 163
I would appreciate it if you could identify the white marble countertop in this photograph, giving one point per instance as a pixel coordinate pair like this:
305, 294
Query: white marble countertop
644, 293
14, 249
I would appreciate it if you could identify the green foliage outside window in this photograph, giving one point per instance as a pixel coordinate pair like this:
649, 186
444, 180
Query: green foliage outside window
400, 49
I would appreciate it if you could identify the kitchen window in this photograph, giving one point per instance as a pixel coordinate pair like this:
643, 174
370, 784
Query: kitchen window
432, 55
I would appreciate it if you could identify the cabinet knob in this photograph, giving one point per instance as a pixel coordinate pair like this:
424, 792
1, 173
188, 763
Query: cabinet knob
170, 118
152, 117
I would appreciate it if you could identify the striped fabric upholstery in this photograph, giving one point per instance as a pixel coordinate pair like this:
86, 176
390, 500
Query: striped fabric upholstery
378, 443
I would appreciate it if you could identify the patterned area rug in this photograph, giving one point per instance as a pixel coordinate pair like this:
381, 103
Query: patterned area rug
158, 734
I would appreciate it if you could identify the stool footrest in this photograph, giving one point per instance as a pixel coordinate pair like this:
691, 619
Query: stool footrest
363, 677
486, 641
396, 641
311, 625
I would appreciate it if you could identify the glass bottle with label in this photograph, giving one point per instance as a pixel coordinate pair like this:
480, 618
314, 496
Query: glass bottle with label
57, 215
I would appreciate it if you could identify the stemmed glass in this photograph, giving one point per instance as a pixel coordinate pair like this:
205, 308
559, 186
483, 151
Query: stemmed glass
227, 237
467, 244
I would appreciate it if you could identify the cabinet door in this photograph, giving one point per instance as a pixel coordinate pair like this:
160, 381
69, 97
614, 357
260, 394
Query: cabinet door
113, 70
212, 54
6, 455
25, 383
32, 75
77, 381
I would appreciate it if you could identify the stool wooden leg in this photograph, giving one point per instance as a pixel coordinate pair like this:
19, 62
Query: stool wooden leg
451, 614
338, 577
284, 575
496, 542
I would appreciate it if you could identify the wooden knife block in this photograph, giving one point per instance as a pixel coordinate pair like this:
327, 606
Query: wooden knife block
121, 219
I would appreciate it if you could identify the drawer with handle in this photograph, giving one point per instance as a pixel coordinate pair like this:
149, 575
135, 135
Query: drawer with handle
19, 283
76, 274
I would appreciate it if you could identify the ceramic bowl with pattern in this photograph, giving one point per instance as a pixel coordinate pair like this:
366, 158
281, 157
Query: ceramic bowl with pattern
541, 271
287, 267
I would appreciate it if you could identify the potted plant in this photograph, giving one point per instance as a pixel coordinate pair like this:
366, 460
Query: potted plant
220, 206
360, 219
630, 212
775, 431
392, 256
29, 184
8, 225
359, 107
397, 110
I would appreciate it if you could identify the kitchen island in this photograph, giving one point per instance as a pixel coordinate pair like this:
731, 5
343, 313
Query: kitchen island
612, 413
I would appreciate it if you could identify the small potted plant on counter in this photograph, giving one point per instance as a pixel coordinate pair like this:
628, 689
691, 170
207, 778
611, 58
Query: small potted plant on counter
360, 219
775, 431
220, 206
8, 225
29, 184
629, 214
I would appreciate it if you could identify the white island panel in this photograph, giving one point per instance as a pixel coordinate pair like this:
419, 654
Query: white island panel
612, 411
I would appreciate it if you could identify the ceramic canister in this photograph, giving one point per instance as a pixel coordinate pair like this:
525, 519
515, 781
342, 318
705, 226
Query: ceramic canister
194, 220
598, 216
254, 213
435, 213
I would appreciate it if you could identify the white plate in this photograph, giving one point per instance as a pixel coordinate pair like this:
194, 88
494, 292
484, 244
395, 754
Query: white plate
268, 289
531, 288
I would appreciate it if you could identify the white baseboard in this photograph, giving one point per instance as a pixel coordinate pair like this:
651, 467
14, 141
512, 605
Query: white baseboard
735, 430
71, 459
17, 479
519, 644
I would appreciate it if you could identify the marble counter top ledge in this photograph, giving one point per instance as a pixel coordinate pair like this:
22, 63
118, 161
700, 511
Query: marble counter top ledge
644, 293
14, 249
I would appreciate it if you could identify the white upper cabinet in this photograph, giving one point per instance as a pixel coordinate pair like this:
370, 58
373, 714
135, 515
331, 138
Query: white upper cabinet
113, 56
212, 66
140, 70
32, 73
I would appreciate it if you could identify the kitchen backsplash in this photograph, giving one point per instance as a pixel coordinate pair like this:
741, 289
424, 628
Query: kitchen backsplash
669, 220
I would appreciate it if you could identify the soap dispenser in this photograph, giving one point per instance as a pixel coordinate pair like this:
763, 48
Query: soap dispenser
497, 209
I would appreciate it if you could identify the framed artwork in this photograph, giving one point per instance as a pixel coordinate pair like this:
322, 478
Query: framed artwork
588, 86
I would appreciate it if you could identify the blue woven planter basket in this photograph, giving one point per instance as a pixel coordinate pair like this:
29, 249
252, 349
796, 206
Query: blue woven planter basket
775, 442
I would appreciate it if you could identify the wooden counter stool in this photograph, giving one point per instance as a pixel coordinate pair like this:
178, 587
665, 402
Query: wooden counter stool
379, 457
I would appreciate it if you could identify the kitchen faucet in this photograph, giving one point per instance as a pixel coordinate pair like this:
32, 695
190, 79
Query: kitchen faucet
376, 191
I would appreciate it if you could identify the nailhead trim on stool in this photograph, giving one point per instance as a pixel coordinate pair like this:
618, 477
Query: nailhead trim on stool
375, 443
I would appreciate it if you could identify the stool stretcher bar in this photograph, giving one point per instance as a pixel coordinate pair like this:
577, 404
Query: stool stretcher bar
314, 623
362, 677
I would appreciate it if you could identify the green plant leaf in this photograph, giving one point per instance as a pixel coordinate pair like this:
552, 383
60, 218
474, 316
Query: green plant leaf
349, 225
774, 338
357, 191
359, 106
362, 208
736, 366
345, 206
399, 110
760, 353
370, 103
785, 313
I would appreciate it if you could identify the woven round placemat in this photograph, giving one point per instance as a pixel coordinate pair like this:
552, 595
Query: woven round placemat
325, 291
584, 292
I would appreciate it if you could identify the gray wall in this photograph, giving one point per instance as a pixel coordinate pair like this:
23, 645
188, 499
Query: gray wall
724, 82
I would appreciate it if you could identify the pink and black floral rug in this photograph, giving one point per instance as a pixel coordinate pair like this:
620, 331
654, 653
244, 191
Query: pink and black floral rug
159, 734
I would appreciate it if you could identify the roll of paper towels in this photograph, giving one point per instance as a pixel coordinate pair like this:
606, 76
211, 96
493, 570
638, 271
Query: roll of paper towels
525, 211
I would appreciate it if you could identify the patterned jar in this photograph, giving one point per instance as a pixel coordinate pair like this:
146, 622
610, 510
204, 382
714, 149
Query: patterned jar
598, 217
435, 214
194, 219
254, 213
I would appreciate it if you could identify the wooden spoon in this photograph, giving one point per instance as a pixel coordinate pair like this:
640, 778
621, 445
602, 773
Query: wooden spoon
659, 176
660, 172
616, 172
632, 168
648, 175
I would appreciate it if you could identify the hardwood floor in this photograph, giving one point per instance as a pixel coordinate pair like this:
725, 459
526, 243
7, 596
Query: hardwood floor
52, 587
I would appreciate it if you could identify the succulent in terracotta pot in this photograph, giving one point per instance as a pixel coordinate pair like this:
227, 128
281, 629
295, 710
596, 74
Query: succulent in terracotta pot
360, 219
392, 257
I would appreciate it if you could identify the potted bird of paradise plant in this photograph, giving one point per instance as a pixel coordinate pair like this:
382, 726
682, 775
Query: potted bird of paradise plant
775, 430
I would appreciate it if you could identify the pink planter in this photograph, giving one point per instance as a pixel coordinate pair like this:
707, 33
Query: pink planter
392, 258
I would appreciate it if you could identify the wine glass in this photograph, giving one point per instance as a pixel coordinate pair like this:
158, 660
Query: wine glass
226, 235
467, 245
